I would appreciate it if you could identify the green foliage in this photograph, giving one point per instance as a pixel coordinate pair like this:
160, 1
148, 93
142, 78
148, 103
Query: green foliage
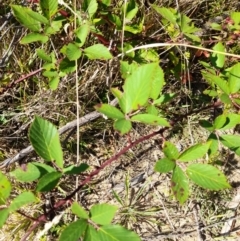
142, 98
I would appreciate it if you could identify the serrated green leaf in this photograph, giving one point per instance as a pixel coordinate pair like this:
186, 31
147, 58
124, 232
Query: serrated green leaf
98, 51
67, 66
116, 233
225, 99
43, 55
74, 230
3, 216
149, 55
122, 125
164, 165
21, 200
207, 176
82, 33
103, 214
90, 6
170, 151
55, 27
45, 140
49, 7
180, 185
91, 234
218, 60
73, 52
194, 152
48, 181
166, 13
137, 87
50, 73
27, 173
53, 83
75, 169
5, 188
38, 17
23, 17
150, 119
34, 37
234, 78
110, 111
79, 211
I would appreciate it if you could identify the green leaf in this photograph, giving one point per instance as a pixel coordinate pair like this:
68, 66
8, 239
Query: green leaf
49, 7
218, 60
166, 13
150, 119
180, 185
152, 110
110, 111
21, 200
149, 55
82, 33
131, 10
3, 216
232, 142
164, 165
219, 122
90, 6
206, 124
127, 69
74, 230
207, 176
38, 17
225, 99
170, 151
98, 51
157, 83
45, 141
43, 168
122, 125
50, 73
192, 37
48, 182
79, 211
34, 37
231, 121
234, 78
116, 233
55, 27
214, 79
53, 83
23, 17
103, 214
67, 66
164, 98
138, 86
26, 173
194, 152
73, 52
43, 55
75, 169
5, 188
213, 148
91, 234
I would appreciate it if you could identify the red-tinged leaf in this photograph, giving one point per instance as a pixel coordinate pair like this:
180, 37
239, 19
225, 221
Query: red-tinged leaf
180, 185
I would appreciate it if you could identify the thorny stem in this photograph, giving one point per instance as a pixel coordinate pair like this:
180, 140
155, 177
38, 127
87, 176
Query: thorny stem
62, 202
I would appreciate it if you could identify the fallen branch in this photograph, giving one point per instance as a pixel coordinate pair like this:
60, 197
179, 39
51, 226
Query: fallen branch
83, 120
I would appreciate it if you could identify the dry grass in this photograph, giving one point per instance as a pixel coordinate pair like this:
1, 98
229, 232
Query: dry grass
154, 214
